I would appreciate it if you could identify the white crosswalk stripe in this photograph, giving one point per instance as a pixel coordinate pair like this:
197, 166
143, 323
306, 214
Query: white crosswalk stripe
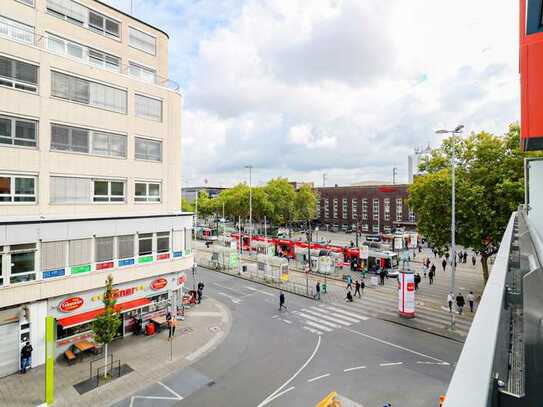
315, 319
318, 326
312, 330
349, 313
326, 317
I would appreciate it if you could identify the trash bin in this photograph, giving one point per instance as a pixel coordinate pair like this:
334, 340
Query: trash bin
324, 288
244, 269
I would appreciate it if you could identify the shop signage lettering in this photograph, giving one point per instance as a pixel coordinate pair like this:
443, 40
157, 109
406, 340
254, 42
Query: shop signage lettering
126, 262
103, 266
177, 254
70, 304
163, 256
81, 269
54, 273
387, 189
145, 259
159, 284
120, 292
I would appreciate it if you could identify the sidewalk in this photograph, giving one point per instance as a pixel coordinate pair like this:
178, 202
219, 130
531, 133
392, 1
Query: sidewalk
204, 327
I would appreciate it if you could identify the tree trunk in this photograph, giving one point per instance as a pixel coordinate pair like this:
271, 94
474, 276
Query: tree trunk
484, 263
105, 361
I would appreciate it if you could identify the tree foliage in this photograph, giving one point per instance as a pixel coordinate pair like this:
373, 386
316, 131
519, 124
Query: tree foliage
186, 206
489, 186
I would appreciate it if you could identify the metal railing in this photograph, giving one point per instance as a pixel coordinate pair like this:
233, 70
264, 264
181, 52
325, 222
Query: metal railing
17, 32
474, 382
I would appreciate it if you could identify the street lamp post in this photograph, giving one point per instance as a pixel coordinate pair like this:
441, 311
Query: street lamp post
250, 167
454, 132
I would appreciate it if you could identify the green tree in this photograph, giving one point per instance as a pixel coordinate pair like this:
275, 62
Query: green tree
206, 206
107, 324
305, 203
281, 196
186, 206
489, 186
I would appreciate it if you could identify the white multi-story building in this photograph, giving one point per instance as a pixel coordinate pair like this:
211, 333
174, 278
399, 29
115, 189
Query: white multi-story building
413, 161
90, 172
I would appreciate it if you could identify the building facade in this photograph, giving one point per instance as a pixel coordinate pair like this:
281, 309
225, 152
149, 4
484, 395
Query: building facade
190, 193
414, 160
90, 172
368, 208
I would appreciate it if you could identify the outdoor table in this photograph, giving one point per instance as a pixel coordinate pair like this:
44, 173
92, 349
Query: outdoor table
84, 346
158, 321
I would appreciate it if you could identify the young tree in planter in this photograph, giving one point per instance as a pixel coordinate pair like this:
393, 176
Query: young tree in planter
106, 325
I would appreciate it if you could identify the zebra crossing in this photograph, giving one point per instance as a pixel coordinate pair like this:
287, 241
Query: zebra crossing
325, 318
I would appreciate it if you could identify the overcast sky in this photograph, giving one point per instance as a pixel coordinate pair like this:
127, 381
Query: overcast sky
298, 88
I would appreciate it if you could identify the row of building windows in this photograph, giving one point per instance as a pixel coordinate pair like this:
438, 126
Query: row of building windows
73, 190
24, 76
355, 209
23, 132
18, 263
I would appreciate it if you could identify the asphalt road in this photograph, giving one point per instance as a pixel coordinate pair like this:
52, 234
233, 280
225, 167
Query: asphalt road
296, 357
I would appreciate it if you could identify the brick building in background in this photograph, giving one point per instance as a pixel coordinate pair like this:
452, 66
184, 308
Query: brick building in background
373, 208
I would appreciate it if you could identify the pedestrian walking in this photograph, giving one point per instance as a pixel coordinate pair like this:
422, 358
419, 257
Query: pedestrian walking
349, 296
433, 269
282, 301
460, 302
473, 260
450, 300
349, 282
471, 300
444, 264
382, 275
435, 252
465, 256
431, 276
172, 323
318, 291
420, 248
424, 270
26, 357
362, 285
417, 281
357, 289
200, 293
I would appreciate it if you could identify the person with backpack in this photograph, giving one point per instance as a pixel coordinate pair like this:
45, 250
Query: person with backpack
460, 302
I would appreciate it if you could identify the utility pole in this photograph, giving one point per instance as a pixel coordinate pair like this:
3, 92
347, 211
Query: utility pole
309, 233
250, 167
394, 173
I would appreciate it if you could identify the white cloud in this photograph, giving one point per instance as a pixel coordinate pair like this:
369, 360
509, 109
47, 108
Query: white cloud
346, 87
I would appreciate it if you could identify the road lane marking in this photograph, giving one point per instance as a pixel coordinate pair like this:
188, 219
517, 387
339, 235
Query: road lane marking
226, 287
268, 399
259, 291
318, 377
205, 314
281, 393
319, 320
171, 391
287, 321
390, 364
354, 368
312, 330
231, 298
393, 345
326, 317
204, 348
434, 363
342, 311
321, 327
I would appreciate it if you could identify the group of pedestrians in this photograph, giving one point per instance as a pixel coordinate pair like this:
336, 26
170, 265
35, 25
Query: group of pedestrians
358, 289
461, 301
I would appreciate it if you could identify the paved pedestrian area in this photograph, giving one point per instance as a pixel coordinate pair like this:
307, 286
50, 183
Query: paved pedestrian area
432, 312
204, 328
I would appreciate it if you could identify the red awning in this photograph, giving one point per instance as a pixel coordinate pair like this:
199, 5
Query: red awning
88, 316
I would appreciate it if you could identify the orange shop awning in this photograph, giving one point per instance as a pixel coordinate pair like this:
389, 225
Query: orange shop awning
85, 317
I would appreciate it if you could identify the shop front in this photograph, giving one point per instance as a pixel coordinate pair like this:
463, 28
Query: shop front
141, 299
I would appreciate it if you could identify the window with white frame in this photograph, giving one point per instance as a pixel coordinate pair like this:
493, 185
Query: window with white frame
365, 227
53, 255
147, 192
142, 41
162, 242
67, 138
145, 244
375, 209
387, 229
148, 108
147, 149
78, 14
103, 24
364, 209
354, 208
412, 217
108, 144
399, 209
22, 263
80, 252
334, 208
86, 54
18, 75
387, 208
103, 249
141, 72
18, 132
70, 190
125, 246
375, 228
17, 188
90, 93
29, 2
108, 191
326, 208
344, 208
17, 31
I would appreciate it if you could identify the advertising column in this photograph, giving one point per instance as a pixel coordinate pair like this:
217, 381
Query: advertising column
406, 294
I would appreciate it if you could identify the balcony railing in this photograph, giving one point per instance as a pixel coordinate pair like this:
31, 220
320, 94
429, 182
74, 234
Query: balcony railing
21, 33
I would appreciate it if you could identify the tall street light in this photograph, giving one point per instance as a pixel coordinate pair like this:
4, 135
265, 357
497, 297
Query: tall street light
454, 132
250, 167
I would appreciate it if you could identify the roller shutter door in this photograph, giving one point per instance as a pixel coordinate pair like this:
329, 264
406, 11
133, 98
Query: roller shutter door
9, 349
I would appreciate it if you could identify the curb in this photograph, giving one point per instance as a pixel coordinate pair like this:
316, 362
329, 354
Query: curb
442, 335
255, 281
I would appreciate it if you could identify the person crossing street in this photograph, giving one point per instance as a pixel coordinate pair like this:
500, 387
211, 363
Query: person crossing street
460, 302
357, 289
450, 300
471, 300
282, 301
318, 291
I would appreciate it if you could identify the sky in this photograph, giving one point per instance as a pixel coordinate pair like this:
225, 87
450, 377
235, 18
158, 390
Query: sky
346, 88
